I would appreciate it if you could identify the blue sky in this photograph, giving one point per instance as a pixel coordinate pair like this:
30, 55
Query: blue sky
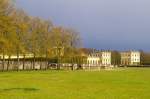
103, 24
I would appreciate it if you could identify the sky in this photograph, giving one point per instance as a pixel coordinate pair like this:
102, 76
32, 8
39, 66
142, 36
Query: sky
103, 24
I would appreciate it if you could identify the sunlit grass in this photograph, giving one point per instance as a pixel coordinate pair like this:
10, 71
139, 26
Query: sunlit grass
118, 84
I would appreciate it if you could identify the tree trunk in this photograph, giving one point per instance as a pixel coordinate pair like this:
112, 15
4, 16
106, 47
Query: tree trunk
58, 65
31, 67
23, 61
8, 63
34, 62
3, 61
46, 60
72, 65
18, 60
40, 63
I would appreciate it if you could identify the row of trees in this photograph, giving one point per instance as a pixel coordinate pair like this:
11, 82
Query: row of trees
145, 58
23, 34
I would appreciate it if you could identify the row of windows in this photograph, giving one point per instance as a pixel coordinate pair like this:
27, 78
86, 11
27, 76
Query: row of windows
130, 60
107, 55
135, 55
95, 55
93, 62
129, 55
135, 59
99, 55
106, 60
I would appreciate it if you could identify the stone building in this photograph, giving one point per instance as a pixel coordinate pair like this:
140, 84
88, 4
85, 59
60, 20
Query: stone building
130, 58
94, 59
106, 58
135, 58
125, 58
110, 58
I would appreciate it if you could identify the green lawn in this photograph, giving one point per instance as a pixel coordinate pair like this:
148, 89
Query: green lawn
117, 84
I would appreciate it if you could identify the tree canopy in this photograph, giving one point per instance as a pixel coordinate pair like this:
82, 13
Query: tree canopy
21, 34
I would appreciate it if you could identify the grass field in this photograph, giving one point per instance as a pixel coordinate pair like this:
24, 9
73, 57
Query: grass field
117, 84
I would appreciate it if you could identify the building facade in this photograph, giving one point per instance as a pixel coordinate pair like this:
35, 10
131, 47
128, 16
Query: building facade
135, 58
126, 58
94, 59
106, 58
130, 58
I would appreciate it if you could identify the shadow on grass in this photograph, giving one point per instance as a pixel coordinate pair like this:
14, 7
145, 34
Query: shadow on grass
19, 89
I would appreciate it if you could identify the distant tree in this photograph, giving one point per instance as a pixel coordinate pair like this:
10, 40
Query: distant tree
116, 58
7, 28
145, 58
20, 20
45, 43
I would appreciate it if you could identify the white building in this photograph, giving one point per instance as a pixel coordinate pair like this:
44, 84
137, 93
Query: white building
106, 58
130, 58
135, 58
15, 56
93, 59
